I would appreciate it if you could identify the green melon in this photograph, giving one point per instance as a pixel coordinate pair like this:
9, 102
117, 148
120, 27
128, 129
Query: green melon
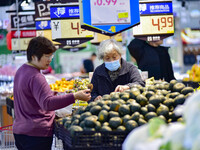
85, 115
90, 122
95, 110
106, 107
103, 116
187, 90
105, 128
135, 107
130, 125
135, 116
178, 87
125, 119
74, 128
121, 128
179, 100
142, 100
163, 110
115, 106
124, 110
112, 114
115, 122
134, 93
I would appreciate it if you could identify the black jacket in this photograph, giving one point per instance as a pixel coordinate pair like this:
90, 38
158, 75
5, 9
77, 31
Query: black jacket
155, 60
102, 84
88, 65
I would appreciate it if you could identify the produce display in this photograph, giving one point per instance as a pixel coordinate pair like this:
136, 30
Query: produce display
194, 74
127, 110
62, 85
71, 86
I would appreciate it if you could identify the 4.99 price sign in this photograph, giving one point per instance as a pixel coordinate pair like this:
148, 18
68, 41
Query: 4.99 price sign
156, 21
66, 27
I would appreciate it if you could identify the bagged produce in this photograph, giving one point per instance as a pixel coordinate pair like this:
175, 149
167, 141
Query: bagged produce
192, 118
148, 136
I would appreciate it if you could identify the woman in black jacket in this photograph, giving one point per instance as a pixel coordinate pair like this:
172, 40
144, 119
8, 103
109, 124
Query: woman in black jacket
115, 74
152, 57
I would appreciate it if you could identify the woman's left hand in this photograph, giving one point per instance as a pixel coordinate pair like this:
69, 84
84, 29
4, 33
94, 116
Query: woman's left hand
121, 88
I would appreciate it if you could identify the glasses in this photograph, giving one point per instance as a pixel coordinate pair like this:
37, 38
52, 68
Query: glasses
49, 57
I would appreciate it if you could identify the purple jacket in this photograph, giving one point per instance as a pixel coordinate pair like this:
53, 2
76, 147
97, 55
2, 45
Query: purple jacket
34, 103
102, 84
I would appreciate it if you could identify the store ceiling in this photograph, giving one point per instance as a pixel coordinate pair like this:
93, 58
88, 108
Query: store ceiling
10, 2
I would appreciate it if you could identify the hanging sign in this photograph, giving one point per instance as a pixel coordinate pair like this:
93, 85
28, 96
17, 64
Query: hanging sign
66, 28
109, 17
43, 25
23, 21
156, 21
43, 20
20, 44
23, 33
98, 38
42, 9
25, 36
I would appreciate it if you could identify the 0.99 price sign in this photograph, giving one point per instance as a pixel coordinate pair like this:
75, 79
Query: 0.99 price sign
106, 12
154, 25
105, 2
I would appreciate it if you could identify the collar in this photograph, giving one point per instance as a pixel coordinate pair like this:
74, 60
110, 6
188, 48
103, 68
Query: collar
102, 71
30, 64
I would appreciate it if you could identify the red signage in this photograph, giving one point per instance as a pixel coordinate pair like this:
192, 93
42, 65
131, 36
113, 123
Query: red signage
23, 33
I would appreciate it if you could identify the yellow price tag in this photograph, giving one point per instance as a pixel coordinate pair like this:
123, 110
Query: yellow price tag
123, 15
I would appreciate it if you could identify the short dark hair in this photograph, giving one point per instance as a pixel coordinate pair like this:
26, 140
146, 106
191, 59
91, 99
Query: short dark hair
39, 46
93, 54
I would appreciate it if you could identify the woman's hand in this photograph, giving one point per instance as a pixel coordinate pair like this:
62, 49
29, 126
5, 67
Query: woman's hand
97, 98
83, 95
121, 88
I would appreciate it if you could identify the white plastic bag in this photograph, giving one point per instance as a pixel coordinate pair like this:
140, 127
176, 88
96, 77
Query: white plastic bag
64, 111
148, 136
192, 118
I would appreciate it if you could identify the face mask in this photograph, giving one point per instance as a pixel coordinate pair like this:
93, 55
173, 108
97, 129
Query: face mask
113, 65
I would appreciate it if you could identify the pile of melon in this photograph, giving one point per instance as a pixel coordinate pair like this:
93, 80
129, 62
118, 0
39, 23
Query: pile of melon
132, 108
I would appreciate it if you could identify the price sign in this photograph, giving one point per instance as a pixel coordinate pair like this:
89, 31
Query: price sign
20, 44
70, 28
155, 24
109, 17
156, 21
66, 27
110, 12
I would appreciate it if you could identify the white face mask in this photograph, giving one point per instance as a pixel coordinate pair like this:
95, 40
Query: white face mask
113, 65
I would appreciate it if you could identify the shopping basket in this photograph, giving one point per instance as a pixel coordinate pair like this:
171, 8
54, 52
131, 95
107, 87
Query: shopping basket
7, 141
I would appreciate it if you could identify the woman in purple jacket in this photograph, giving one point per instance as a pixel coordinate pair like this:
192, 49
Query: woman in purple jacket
115, 74
34, 102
